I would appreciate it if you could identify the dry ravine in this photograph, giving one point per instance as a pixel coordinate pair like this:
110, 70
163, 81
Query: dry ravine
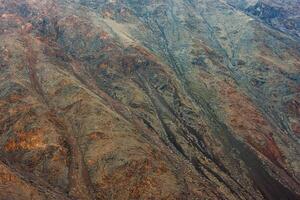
149, 99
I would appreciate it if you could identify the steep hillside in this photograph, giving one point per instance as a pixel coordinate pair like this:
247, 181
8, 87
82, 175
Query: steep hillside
149, 99
282, 15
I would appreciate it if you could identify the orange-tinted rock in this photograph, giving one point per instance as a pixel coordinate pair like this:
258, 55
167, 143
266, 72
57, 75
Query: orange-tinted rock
146, 100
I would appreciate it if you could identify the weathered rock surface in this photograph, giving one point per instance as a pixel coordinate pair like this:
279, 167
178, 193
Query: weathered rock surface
149, 99
282, 15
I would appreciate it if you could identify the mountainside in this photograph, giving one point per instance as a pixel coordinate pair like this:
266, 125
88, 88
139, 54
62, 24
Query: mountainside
282, 15
149, 99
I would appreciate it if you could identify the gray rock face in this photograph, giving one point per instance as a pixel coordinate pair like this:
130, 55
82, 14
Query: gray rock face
281, 15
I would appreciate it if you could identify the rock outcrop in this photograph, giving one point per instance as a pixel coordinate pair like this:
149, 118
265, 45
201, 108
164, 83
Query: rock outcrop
149, 99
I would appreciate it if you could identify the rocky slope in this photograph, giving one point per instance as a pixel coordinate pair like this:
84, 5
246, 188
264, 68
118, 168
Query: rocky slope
282, 15
149, 99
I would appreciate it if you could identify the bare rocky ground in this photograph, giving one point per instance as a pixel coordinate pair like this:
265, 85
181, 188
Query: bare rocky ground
149, 99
